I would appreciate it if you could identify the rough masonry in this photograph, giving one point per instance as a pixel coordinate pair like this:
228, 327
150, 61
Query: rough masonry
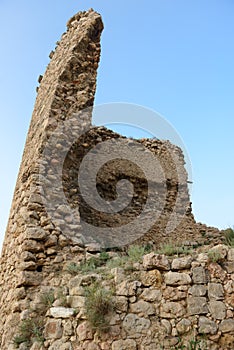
39, 255
68, 86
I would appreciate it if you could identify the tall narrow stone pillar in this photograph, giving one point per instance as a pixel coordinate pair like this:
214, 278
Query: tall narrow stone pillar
32, 245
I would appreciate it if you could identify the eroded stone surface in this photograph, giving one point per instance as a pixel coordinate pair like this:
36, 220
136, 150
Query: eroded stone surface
151, 278
156, 261
177, 278
135, 325
172, 310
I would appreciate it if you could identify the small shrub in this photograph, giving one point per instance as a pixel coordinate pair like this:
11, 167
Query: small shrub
48, 298
98, 304
29, 330
229, 237
136, 252
91, 264
104, 257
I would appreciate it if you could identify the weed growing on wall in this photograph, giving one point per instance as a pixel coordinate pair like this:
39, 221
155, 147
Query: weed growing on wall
98, 305
29, 330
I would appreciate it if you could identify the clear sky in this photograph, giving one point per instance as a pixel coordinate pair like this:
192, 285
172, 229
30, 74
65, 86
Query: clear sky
175, 57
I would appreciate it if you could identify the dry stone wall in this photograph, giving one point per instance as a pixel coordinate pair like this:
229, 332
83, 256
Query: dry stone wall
39, 253
157, 302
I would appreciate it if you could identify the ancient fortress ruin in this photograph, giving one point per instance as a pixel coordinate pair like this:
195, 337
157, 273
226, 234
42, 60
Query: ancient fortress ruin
57, 260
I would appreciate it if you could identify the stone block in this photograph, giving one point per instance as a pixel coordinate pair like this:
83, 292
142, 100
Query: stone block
177, 278
181, 263
77, 283
174, 294
61, 312
135, 326
215, 291
61, 344
151, 278
199, 275
197, 305
84, 331
216, 272
121, 304
167, 326
127, 288
156, 261
152, 295
29, 278
172, 309
220, 251
229, 266
36, 233
207, 326
76, 301
183, 326
68, 328
53, 329
32, 246
217, 309
198, 290
92, 346
143, 308
227, 325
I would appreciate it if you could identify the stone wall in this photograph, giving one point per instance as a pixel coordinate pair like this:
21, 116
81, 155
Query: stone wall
68, 86
158, 302
45, 239
177, 200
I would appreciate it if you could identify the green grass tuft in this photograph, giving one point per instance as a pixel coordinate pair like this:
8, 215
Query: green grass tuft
88, 265
135, 253
173, 249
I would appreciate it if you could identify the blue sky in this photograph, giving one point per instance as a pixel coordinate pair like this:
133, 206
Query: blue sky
175, 57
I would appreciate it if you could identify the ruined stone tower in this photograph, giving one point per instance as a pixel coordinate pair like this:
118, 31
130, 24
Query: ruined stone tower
52, 226
68, 86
